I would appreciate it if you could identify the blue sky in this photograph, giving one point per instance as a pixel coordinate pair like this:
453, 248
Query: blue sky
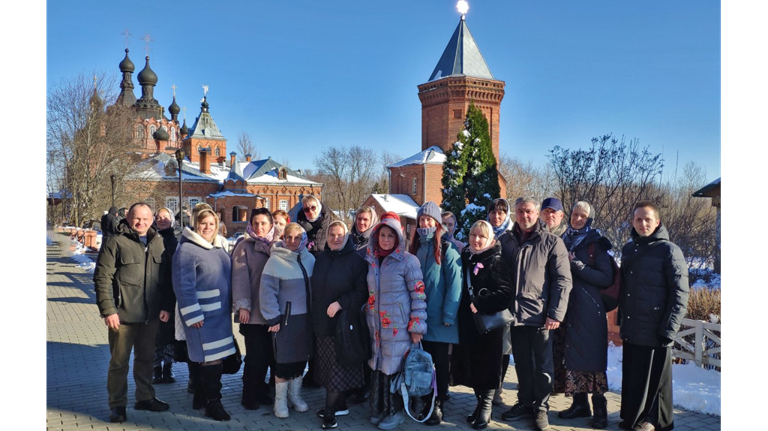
300, 76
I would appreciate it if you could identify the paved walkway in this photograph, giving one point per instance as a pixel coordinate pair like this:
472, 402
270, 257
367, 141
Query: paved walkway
78, 355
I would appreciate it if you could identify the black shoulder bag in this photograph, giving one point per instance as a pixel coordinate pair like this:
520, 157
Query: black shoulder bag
488, 322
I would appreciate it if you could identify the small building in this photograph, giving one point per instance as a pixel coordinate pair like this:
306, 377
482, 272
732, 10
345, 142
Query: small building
712, 190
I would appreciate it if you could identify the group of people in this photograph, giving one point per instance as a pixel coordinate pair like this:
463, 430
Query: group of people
290, 283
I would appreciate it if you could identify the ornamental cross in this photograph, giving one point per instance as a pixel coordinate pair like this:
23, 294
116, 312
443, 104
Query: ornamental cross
185, 113
174, 89
127, 33
94, 81
147, 40
205, 90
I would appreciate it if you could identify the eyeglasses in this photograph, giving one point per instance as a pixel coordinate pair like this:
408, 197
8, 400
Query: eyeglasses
308, 209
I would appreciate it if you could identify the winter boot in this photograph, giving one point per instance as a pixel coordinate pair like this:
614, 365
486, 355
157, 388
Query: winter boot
472, 416
294, 395
210, 377
437, 413
281, 400
250, 388
484, 402
579, 408
168, 376
198, 400
158, 375
600, 407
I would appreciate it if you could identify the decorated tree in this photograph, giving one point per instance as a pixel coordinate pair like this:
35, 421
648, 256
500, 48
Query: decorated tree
470, 176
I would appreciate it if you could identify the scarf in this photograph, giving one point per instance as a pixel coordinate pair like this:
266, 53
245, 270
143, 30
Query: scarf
497, 231
319, 212
426, 232
473, 250
573, 237
346, 235
266, 239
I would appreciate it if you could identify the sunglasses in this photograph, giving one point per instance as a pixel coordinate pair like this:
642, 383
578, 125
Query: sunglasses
308, 209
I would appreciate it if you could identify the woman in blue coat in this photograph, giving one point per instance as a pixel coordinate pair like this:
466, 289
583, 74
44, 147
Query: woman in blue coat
201, 282
441, 269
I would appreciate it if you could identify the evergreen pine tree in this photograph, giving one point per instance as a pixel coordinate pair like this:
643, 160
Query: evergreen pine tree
470, 177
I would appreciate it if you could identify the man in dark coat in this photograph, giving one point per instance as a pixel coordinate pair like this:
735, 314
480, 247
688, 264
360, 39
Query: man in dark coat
542, 271
109, 224
131, 277
652, 305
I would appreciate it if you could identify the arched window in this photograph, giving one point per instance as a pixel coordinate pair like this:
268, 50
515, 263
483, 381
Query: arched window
413, 186
173, 134
218, 151
140, 131
172, 203
152, 130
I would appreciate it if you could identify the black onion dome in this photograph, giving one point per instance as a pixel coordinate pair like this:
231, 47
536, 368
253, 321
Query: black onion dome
161, 135
147, 75
174, 108
127, 65
184, 129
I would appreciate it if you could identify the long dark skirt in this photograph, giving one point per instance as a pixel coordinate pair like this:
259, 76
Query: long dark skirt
291, 370
329, 373
382, 399
586, 382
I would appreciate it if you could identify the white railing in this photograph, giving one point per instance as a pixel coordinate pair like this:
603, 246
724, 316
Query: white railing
705, 350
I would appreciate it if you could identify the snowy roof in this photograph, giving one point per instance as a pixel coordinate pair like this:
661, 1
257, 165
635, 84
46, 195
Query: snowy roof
232, 193
266, 171
461, 57
431, 156
710, 190
401, 205
154, 169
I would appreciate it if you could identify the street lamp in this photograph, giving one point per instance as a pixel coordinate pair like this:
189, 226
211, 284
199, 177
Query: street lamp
112, 177
179, 158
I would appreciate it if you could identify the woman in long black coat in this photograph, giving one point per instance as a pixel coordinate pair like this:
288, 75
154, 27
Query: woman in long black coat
586, 337
477, 359
338, 283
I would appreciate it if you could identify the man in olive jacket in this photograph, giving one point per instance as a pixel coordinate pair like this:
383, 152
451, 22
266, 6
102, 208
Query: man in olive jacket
652, 305
542, 272
131, 279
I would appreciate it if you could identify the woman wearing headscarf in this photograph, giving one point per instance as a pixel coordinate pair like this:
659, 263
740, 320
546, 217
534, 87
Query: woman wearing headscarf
450, 222
338, 283
365, 220
586, 354
396, 315
501, 221
441, 268
201, 282
315, 219
285, 302
477, 360
248, 260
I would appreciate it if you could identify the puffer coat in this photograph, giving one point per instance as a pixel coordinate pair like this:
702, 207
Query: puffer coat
396, 303
654, 289
443, 289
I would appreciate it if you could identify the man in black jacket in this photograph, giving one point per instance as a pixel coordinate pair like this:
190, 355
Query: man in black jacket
131, 279
543, 282
653, 303
109, 224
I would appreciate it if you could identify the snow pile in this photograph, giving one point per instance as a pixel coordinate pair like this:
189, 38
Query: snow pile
79, 256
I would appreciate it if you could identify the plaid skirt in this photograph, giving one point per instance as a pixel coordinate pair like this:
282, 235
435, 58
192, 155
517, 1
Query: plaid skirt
335, 377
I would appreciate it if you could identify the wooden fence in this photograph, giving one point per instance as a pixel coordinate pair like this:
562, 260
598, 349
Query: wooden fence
698, 341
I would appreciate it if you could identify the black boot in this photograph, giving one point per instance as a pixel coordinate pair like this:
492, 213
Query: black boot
472, 416
600, 407
158, 375
198, 401
484, 404
248, 398
168, 376
579, 408
210, 377
437, 413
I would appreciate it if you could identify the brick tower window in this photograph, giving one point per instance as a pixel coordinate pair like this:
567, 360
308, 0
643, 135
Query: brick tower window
413, 186
457, 113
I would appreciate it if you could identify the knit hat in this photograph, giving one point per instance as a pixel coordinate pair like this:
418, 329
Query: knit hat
390, 214
430, 209
553, 203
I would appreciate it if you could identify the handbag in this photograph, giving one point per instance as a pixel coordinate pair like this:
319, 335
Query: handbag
352, 342
486, 323
231, 364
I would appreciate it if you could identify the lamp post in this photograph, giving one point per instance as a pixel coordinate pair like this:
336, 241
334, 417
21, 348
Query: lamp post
179, 158
112, 177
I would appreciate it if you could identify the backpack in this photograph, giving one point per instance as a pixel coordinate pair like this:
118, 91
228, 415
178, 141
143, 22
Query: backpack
609, 295
416, 379
352, 341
